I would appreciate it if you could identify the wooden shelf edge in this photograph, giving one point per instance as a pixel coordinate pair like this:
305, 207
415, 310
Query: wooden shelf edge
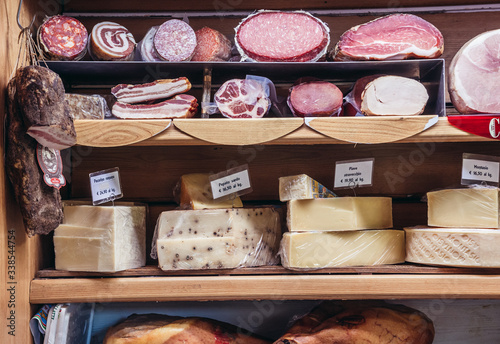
289, 287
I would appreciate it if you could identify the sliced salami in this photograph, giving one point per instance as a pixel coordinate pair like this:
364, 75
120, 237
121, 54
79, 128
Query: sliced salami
111, 42
146, 46
268, 36
211, 45
175, 41
159, 89
242, 98
315, 98
63, 38
180, 106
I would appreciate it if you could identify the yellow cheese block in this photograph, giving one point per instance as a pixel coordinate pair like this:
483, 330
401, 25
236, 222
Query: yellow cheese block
339, 214
315, 250
302, 187
196, 193
466, 208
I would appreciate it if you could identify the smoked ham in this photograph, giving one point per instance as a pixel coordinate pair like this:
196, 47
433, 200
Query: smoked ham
242, 98
180, 106
316, 98
159, 89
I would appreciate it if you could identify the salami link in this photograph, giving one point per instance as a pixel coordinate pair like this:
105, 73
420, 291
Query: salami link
111, 42
180, 106
159, 89
175, 41
63, 38
211, 46
242, 98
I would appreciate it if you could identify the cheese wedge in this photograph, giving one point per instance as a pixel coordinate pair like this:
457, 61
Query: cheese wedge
302, 187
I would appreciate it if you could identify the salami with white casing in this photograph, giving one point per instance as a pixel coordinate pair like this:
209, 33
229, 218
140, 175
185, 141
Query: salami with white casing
146, 46
111, 42
175, 41
242, 98
180, 106
158, 89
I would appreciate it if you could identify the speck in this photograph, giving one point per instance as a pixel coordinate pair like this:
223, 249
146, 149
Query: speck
210, 249
163, 247
189, 230
194, 248
215, 233
180, 232
195, 232
196, 221
177, 255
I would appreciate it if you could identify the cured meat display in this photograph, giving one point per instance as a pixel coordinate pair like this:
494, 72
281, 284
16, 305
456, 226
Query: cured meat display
175, 41
370, 322
146, 47
211, 46
242, 98
40, 204
111, 42
394, 96
396, 36
40, 96
316, 98
159, 89
268, 36
180, 106
474, 75
63, 38
159, 328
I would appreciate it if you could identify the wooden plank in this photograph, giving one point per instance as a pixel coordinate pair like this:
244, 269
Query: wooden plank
289, 287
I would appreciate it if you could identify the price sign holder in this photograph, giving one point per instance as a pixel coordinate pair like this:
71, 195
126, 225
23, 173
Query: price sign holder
480, 169
105, 186
350, 174
231, 183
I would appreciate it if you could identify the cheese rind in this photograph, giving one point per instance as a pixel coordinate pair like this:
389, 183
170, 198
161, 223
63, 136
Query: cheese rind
254, 232
464, 208
315, 250
302, 187
461, 247
339, 214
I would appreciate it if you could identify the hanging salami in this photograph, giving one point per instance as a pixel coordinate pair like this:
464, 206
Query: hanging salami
111, 42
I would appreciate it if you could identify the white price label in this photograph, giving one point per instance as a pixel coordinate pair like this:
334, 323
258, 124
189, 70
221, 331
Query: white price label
105, 186
353, 173
234, 183
480, 171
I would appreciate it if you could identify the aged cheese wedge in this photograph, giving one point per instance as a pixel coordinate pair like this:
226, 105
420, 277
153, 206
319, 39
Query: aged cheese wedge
471, 207
315, 250
197, 194
253, 233
302, 187
339, 214
461, 247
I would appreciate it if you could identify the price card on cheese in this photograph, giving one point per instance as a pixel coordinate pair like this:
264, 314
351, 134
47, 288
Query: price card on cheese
480, 169
231, 183
353, 173
105, 186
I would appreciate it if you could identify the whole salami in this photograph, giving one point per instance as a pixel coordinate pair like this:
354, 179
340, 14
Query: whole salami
63, 38
111, 42
315, 98
175, 41
267, 36
211, 46
242, 98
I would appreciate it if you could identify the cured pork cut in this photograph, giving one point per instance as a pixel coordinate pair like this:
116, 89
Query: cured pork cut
396, 36
175, 41
159, 89
111, 42
180, 106
268, 36
242, 98
211, 45
316, 98
146, 47
474, 75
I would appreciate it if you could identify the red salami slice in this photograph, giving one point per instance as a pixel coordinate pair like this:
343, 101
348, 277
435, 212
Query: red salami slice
180, 106
242, 98
211, 46
317, 98
175, 41
111, 42
146, 47
282, 36
63, 38
396, 36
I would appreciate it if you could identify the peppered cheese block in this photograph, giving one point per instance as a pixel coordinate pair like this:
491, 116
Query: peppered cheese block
473, 207
238, 237
462, 247
101, 238
302, 187
339, 214
315, 250
196, 193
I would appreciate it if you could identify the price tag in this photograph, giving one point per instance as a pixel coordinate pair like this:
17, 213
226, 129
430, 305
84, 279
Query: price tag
480, 169
105, 186
231, 183
353, 173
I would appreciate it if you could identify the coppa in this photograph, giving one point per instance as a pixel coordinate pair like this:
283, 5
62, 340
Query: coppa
242, 98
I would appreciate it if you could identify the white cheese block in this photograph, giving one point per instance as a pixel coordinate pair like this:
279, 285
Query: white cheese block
302, 187
467, 208
315, 250
101, 238
254, 232
461, 247
339, 214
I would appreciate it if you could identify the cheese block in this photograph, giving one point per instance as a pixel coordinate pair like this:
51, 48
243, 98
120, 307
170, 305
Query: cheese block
253, 233
315, 250
473, 208
461, 247
302, 187
101, 238
339, 214
196, 193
